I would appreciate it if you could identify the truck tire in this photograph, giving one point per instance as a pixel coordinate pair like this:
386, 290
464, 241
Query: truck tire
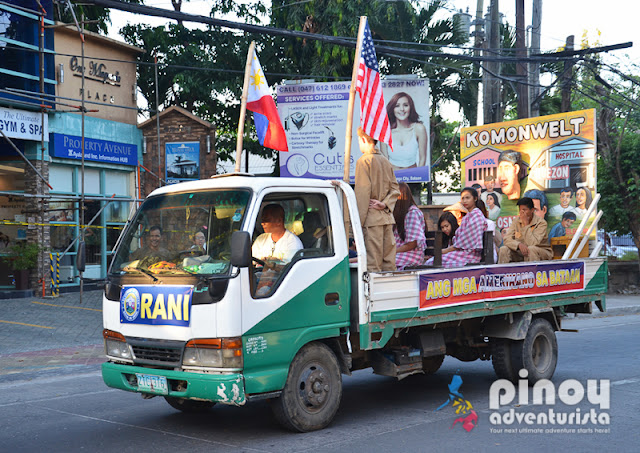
537, 353
311, 396
432, 364
189, 406
501, 358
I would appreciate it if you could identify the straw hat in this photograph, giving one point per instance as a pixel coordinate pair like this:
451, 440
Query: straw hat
456, 207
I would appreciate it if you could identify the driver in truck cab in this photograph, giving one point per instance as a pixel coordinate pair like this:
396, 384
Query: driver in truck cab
276, 246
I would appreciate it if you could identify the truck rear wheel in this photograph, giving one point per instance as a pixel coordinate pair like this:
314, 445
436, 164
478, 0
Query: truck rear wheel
501, 359
537, 353
311, 396
189, 406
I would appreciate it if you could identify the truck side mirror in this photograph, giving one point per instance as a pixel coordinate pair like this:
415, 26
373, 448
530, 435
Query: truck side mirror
81, 257
240, 249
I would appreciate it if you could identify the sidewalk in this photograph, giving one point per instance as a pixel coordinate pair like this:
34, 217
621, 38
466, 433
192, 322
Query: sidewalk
39, 334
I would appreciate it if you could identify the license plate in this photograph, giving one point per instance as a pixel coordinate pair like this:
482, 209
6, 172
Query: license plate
152, 384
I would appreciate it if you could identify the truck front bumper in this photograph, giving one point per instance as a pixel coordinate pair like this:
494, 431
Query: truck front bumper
220, 388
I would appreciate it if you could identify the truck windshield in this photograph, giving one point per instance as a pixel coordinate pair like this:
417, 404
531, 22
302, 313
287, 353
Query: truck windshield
184, 233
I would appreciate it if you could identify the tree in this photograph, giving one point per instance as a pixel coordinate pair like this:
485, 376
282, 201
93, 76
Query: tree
202, 70
97, 16
615, 93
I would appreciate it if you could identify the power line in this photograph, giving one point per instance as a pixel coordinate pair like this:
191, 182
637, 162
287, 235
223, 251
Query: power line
273, 31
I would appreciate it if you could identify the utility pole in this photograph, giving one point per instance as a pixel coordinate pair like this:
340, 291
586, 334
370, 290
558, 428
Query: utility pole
521, 66
492, 104
479, 39
534, 69
565, 105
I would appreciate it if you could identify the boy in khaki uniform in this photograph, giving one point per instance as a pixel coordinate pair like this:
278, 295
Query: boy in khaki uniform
376, 191
526, 239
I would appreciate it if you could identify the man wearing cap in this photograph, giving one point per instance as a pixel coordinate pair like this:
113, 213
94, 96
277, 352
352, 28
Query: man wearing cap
376, 191
526, 238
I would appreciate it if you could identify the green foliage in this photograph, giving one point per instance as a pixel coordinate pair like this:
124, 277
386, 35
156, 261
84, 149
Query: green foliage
23, 256
98, 16
213, 91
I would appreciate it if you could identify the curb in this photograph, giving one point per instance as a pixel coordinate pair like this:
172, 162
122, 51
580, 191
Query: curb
613, 311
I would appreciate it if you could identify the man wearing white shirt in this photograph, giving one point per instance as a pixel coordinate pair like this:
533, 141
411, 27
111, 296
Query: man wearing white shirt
276, 243
276, 246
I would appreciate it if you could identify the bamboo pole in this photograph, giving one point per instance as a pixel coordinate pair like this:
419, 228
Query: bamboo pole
243, 107
352, 99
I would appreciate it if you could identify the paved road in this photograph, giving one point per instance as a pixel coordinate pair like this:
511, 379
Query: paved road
62, 412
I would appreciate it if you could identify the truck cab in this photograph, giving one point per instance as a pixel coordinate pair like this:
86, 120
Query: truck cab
181, 319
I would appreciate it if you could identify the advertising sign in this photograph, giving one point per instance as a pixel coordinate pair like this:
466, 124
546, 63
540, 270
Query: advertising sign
165, 305
23, 124
551, 159
70, 147
315, 117
183, 162
443, 289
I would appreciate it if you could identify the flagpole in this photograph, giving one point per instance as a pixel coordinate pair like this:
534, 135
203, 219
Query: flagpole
243, 107
352, 100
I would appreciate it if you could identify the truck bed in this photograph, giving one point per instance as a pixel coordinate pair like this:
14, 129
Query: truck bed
396, 300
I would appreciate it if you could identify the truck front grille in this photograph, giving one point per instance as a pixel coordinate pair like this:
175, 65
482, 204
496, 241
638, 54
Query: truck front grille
156, 352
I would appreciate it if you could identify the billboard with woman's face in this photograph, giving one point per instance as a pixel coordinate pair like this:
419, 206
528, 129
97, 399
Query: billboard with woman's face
315, 118
550, 159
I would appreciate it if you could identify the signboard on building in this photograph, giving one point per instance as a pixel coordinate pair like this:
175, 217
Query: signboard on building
183, 162
315, 116
23, 124
70, 147
551, 159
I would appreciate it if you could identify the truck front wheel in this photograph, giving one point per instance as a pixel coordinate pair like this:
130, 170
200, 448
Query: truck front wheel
189, 406
312, 393
537, 353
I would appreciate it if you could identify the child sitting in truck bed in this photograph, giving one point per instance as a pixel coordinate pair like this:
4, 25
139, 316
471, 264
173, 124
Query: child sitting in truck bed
466, 245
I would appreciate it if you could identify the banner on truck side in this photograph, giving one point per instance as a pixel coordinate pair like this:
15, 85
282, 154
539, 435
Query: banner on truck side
457, 287
551, 159
315, 117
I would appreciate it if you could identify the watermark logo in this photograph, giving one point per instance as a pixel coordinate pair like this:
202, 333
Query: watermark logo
525, 415
468, 417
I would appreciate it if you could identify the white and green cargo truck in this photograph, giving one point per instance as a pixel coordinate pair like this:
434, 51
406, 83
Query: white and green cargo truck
188, 322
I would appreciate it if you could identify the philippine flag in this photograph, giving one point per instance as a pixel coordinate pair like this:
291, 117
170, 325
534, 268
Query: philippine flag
265, 114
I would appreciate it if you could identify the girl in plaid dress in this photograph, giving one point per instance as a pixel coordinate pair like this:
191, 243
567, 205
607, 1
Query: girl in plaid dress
466, 245
409, 230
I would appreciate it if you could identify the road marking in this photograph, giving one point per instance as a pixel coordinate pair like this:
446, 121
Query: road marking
161, 431
66, 306
25, 324
625, 381
607, 326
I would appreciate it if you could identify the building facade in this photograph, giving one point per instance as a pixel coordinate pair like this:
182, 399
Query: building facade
40, 109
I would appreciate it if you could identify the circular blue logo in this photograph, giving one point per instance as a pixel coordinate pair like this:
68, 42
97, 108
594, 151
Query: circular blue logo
130, 304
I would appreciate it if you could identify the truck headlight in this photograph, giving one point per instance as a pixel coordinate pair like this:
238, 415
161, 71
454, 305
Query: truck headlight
115, 345
213, 352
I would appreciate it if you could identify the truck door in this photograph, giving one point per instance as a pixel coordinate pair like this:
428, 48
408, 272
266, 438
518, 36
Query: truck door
305, 295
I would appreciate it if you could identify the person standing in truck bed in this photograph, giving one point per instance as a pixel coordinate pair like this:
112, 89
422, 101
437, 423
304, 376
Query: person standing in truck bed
376, 192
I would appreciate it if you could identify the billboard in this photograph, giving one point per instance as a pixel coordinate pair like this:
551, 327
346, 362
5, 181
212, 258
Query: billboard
315, 117
551, 159
183, 162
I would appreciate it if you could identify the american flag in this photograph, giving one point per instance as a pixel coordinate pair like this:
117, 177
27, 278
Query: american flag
373, 114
